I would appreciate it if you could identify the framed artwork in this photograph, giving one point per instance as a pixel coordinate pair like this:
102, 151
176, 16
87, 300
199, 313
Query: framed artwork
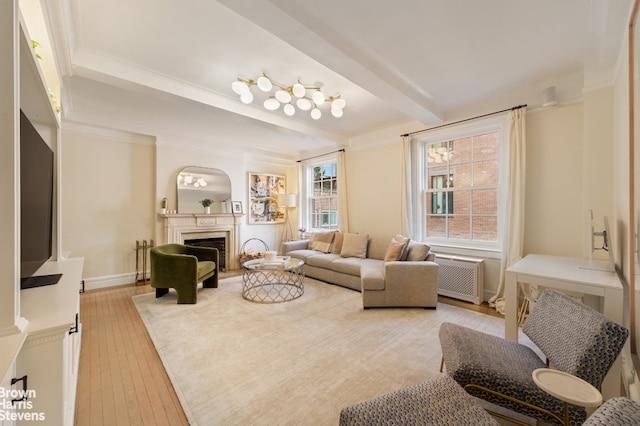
263, 198
236, 207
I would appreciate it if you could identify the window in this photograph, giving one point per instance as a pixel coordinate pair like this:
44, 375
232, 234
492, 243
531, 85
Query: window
441, 201
323, 195
459, 183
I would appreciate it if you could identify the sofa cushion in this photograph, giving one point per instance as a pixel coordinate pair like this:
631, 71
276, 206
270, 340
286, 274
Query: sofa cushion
322, 260
372, 276
355, 245
347, 265
338, 239
303, 255
396, 248
417, 251
352, 265
321, 241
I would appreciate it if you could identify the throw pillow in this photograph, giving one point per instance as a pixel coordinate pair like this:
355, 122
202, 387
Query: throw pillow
321, 241
417, 251
355, 245
338, 238
312, 240
399, 238
394, 250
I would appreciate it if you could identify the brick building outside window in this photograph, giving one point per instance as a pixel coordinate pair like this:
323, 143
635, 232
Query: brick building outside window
461, 178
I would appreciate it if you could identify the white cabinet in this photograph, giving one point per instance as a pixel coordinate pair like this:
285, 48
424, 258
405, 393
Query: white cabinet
50, 354
6, 389
5, 400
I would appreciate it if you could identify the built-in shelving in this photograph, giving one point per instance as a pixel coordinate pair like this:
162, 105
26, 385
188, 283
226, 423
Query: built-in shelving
39, 331
34, 92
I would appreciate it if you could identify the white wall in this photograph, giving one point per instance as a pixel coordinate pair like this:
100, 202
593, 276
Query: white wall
374, 180
558, 193
113, 183
554, 212
107, 197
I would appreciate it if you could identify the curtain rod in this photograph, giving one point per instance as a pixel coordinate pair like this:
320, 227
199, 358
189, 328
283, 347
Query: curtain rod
465, 120
321, 155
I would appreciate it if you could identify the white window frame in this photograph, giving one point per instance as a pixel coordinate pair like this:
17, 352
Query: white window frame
419, 182
307, 177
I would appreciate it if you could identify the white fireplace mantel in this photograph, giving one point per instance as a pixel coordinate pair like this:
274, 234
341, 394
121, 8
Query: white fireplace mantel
181, 227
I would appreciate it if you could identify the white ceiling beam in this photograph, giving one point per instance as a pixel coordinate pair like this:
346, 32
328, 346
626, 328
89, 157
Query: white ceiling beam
97, 67
338, 55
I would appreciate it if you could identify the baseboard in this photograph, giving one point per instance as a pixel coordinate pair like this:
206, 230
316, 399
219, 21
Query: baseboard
109, 281
130, 278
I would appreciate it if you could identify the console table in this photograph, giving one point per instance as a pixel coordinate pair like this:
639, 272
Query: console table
571, 274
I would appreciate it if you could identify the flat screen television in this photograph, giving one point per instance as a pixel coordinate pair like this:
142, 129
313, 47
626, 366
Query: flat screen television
36, 206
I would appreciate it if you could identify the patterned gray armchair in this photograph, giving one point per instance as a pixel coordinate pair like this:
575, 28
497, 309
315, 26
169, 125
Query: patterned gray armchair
438, 402
618, 411
574, 338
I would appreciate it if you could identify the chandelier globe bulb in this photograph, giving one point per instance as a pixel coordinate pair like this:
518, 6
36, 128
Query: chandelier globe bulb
271, 104
304, 104
336, 112
289, 110
283, 96
316, 114
264, 83
338, 103
298, 90
240, 87
318, 97
246, 98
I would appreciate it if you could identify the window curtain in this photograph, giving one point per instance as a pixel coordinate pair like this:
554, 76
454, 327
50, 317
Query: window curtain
303, 200
513, 242
343, 205
406, 192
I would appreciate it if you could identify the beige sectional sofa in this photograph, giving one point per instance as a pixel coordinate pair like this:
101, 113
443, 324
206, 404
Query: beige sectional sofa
389, 271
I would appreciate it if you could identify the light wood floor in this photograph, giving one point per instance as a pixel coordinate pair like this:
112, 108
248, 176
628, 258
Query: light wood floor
121, 378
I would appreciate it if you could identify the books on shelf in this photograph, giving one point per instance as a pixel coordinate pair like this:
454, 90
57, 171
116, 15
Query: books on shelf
277, 262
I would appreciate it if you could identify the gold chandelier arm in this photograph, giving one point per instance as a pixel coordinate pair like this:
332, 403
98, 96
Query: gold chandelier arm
248, 82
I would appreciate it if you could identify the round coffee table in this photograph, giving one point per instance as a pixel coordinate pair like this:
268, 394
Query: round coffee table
272, 284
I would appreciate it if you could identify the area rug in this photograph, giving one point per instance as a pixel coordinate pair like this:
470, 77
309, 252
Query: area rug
232, 361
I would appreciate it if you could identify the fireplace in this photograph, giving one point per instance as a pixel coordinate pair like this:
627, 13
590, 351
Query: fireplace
219, 230
216, 242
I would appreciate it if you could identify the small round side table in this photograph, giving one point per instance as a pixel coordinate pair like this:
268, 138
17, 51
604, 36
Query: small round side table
567, 388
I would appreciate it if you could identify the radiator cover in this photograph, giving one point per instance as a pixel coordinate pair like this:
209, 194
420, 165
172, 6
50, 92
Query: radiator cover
460, 277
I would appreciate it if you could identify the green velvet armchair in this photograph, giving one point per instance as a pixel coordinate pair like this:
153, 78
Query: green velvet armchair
182, 267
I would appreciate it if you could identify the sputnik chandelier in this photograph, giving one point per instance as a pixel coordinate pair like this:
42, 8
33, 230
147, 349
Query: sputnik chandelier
305, 97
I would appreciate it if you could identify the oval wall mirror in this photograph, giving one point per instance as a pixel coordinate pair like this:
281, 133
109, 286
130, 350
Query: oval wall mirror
194, 184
